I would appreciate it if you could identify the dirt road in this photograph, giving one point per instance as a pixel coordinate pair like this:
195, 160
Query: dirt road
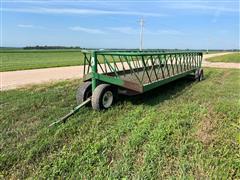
15, 79
206, 63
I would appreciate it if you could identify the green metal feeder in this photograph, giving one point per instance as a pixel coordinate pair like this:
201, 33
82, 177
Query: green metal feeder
109, 73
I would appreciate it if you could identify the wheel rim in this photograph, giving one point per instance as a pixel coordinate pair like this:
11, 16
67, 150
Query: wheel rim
201, 77
107, 99
196, 74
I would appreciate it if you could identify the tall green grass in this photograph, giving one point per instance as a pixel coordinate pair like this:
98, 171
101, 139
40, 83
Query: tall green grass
182, 130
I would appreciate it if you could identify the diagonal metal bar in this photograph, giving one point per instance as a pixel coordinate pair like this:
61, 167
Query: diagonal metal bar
177, 62
171, 61
144, 66
124, 70
143, 71
110, 67
131, 69
105, 63
167, 59
161, 66
114, 62
153, 65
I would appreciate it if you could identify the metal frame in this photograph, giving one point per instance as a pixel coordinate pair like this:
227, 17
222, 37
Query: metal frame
146, 70
139, 71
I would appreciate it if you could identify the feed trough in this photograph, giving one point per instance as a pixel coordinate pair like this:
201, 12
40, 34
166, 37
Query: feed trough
109, 73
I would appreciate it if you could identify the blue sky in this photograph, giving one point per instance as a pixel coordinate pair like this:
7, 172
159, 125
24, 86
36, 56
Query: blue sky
115, 24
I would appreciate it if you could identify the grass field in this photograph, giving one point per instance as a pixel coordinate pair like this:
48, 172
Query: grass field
34, 59
235, 58
182, 130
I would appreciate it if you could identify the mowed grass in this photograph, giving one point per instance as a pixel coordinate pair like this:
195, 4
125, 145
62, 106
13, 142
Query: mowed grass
235, 58
182, 130
29, 59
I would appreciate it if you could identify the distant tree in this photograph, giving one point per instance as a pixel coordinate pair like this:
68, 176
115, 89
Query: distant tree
51, 47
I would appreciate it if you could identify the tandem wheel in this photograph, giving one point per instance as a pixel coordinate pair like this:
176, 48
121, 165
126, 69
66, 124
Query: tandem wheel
83, 92
199, 75
103, 96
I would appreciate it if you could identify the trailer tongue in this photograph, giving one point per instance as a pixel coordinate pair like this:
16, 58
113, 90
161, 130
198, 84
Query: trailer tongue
72, 112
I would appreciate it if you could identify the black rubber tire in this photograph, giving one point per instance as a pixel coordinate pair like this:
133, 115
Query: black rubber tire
199, 75
98, 93
83, 92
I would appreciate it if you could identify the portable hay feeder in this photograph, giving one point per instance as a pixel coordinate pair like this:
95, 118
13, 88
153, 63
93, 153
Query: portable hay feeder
109, 73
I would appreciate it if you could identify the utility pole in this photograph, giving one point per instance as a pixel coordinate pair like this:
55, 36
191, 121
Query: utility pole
141, 33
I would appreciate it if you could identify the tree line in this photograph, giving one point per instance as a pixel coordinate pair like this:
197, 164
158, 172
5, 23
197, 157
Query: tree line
51, 47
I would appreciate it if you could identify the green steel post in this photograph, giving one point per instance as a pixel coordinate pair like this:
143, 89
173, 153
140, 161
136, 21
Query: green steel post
201, 57
94, 70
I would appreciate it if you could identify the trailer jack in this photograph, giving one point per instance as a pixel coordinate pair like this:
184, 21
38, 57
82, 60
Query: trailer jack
72, 112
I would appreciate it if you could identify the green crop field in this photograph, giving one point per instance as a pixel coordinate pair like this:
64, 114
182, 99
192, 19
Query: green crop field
182, 130
235, 58
34, 59
12, 60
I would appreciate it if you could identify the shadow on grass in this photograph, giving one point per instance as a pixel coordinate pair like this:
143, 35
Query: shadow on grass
160, 94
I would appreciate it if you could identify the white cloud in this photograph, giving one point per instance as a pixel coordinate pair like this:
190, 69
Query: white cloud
79, 11
25, 25
130, 30
87, 30
169, 32
166, 32
127, 30
30, 26
124, 30
30, 1
202, 7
